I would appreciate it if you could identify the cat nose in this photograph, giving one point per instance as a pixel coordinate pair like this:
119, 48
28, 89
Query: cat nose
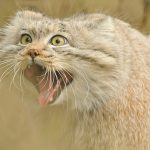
33, 53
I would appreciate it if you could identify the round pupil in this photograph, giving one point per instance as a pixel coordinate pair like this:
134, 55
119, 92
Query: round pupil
57, 41
28, 39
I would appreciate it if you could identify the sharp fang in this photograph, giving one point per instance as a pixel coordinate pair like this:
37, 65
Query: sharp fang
43, 67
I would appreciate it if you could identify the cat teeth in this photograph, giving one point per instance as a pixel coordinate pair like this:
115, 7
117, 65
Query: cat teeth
43, 67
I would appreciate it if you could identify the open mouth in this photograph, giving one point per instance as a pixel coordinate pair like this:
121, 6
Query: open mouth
50, 84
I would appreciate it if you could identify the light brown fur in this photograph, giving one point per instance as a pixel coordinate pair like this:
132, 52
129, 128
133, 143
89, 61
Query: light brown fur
114, 60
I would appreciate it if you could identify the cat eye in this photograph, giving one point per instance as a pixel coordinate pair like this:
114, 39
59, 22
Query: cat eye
58, 40
25, 39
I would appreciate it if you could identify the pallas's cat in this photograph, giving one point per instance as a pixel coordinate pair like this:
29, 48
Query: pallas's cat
80, 83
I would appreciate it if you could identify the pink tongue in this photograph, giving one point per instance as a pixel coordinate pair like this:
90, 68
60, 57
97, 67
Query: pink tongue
46, 91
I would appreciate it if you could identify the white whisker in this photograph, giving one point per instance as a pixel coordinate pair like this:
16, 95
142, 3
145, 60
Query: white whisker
6, 72
14, 76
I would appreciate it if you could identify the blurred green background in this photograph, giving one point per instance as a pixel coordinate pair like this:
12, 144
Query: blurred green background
136, 12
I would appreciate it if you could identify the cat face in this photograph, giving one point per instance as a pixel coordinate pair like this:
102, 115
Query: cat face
71, 59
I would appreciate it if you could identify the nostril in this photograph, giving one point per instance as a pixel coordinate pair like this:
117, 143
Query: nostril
33, 53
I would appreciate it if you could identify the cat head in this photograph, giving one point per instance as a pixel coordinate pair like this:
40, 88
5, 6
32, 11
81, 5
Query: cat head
73, 59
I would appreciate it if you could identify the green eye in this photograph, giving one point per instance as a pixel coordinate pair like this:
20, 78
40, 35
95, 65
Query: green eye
25, 39
58, 40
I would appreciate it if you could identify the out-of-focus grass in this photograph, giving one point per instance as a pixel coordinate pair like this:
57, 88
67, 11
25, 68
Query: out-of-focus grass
137, 12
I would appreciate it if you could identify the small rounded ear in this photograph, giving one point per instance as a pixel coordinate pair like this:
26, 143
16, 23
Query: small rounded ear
93, 21
99, 21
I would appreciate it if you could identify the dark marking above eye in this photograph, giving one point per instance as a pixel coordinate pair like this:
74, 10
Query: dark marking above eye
24, 29
62, 27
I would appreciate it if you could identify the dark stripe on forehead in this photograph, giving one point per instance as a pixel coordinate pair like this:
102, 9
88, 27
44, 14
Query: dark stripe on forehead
62, 27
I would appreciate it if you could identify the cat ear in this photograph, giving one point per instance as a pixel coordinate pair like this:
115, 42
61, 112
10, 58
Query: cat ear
100, 22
